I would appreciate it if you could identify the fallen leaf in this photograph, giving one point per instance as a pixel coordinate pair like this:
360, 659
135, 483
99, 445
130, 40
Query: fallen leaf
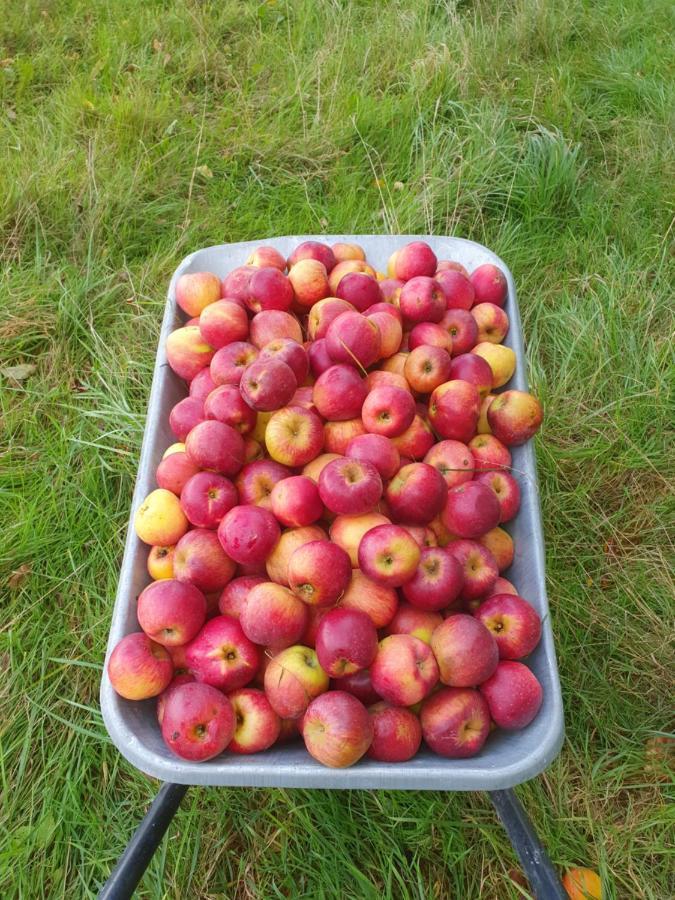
19, 576
398, 185
157, 45
89, 105
20, 372
7, 61
11, 115
204, 171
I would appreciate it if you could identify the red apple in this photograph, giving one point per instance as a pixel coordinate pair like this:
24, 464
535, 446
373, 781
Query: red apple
359, 289
502, 586
421, 300
376, 450
225, 404
430, 335
171, 613
350, 486
347, 532
513, 694
257, 726
222, 655
215, 446
323, 313
391, 289
202, 384
139, 667
423, 534
235, 286
514, 623
501, 546
176, 681
471, 510
206, 497
197, 290
174, 471
490, 284
319, 572
377, 378
404, 670
304, 397
453, 410
228, 363
272, 325
414, 259
319, 357
437, 582
358, 684
199, 559
353, 339
269, 288
457, 289
514, 417
248, 534
455, 722
391, 332
198, 722
454, 461
289, 351
489, 453
462, 328
268, 384
313, 250
266, 256
346, 642
388, 411
465, 651
279, 558
378, 601
223, 323
337, 435
296, 501
272, 614
336, 729
344, 268
339, 393
492, 321
445, 265
420, 623
310, 282
257, 479
294, 436
480, 568
293, 679
233, 597
187, 352
416, 494
472, 368
416, 442
343, 251
397, 733
187, 413
388, 555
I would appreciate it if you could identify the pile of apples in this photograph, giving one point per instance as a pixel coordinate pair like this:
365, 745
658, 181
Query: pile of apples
326, 541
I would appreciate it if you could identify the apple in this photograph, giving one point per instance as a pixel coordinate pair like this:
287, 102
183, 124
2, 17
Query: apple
472, 368
268, 383
269, 288
160, 563
404, 670
344, 268
582, 883
465, 651
421, 300
314, 468
228, 363
174, 471
206, 497
139, 667
185, 415
445, 265
253, 450
427, 367
455, 722
295, 501
347, 532
202, 384
502, 586
453, 410
234, 594
346, 642
235, 286
378, 601
336, 729
225, 404
437, 582
480, 568
388, 411
453, 460
319, 572
337, 435
424, 535
471, 510
272, 325
293, 678
353, 339
395, 363
294, 436
391, 331
223, 323
199, 559
483, 426
350, 486
377, 377
431, 335
377, 450
289, 351
359, 289
187, 352
248, 534
501, 359
506, 490
266, 256
197, 722
343, 251
397, 733
391, 290
514, 417
339, 393
462, 328
420, 623
171, 613
196, 290
490, 284
389, 555
176, 681
160, 519
319, 357
416, 441
304, 397
323, 313
416, 494
513, 695
272, 614
315, 250
413, 260
257, 726
513, 622
257, 479
215, 446
489, 453
500, 545
221, 655
492, 321
278, 559
310, 282
457, 289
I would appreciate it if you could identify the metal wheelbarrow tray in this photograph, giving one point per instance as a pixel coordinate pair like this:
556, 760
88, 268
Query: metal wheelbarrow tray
507, 759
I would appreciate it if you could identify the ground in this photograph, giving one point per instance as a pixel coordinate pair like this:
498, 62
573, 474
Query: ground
132, 133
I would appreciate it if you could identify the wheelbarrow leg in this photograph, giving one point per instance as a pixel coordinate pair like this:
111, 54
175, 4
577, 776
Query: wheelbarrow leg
534, 859
134, 861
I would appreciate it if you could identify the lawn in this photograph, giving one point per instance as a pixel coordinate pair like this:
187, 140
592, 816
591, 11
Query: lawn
132, 133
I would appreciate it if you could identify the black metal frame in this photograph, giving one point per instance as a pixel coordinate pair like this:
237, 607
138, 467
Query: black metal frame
134, 861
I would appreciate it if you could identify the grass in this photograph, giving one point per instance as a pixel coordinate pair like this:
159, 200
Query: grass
132, 133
